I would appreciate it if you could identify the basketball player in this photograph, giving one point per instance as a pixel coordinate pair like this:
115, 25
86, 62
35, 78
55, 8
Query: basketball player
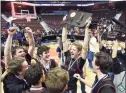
102, 63
18, 51
75, 57
35, 76
44, 58
56, 81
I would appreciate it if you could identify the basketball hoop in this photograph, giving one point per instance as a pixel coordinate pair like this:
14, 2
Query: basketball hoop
25, 10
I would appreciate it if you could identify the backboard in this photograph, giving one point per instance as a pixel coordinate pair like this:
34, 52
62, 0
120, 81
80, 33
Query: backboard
23, 10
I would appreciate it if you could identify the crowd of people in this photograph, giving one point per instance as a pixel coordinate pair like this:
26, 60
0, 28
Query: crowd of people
22, 72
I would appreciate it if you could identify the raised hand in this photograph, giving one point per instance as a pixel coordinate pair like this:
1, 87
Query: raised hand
28, 30
115, 43
12, 31
122, 45
88, 21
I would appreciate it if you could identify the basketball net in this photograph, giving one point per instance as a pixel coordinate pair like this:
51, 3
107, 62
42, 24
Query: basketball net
28, 19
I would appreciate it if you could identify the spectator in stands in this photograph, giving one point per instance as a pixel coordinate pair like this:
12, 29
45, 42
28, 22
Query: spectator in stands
18, 51
77, 30
106, 46
103, 82
81, 31
44, 58
45, 33
109, 45
7, 26
3, 37
35, 37
19, 38
59, 31
72, 33
35, 76
56, 81
14, 81
92, 48
39, 37
59, 48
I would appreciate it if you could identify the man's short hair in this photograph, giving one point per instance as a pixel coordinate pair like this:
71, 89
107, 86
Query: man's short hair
15, 48
104, 61
56, 80
34, 74
78, 45
42, 49
15, 65
26, 44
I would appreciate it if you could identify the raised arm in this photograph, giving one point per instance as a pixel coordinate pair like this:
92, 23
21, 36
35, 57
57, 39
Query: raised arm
8, 45
4, 74
86, 39
64, 38
99, 40
98, 35
31, 41
115, 48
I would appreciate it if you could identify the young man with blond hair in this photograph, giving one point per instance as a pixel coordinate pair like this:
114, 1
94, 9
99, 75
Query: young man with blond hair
56, 80
75, 57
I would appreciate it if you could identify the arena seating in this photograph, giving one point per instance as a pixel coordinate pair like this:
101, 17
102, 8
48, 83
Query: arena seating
33, 24
3, 24
54, 21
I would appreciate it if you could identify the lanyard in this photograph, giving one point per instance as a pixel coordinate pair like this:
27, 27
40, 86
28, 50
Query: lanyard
22, 79
70, 65
99, 81
47, 69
